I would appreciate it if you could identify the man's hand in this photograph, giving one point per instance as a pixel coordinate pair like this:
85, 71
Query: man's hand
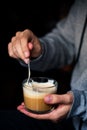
63, 105
24, 45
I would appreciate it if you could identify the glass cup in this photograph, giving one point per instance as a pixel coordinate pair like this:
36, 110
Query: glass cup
34, 92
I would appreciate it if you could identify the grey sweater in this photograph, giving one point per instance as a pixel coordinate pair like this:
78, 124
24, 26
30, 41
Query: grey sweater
60, 47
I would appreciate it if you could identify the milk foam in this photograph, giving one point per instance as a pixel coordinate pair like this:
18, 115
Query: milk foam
41, 89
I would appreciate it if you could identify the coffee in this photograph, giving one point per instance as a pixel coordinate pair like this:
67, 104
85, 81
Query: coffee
34, 94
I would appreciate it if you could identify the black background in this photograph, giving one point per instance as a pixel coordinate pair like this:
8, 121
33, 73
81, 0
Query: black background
40, 17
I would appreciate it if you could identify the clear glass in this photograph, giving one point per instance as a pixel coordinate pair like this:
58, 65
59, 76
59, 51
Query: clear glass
35, 91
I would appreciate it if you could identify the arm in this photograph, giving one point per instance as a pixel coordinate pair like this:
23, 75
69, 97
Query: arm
57, 47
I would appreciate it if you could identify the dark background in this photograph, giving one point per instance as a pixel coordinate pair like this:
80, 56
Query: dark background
40, 17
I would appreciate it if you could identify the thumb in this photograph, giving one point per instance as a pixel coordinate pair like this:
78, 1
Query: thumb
30, 45
59, 99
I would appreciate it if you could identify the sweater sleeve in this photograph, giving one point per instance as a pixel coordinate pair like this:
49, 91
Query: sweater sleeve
79, 107
79, 90
58, 45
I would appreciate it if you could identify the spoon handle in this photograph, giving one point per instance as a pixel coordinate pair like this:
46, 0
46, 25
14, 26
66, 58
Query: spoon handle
28, 72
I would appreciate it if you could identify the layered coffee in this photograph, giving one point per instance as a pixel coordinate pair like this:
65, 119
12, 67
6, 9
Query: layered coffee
34, 93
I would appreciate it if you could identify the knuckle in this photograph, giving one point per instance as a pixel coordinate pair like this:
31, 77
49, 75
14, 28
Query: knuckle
18, 33
13, 39
11, 54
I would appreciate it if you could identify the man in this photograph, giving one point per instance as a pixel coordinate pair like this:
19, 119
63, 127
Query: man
53, 51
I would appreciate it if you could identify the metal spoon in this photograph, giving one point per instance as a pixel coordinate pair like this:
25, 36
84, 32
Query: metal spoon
28, 80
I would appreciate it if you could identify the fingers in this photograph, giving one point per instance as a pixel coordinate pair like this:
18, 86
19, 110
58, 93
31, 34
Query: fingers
64, 103
22, 109
11, 51
19, 48
55, 115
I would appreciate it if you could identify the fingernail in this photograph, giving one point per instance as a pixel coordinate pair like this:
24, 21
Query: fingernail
48, 98
26, 61
26, 53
